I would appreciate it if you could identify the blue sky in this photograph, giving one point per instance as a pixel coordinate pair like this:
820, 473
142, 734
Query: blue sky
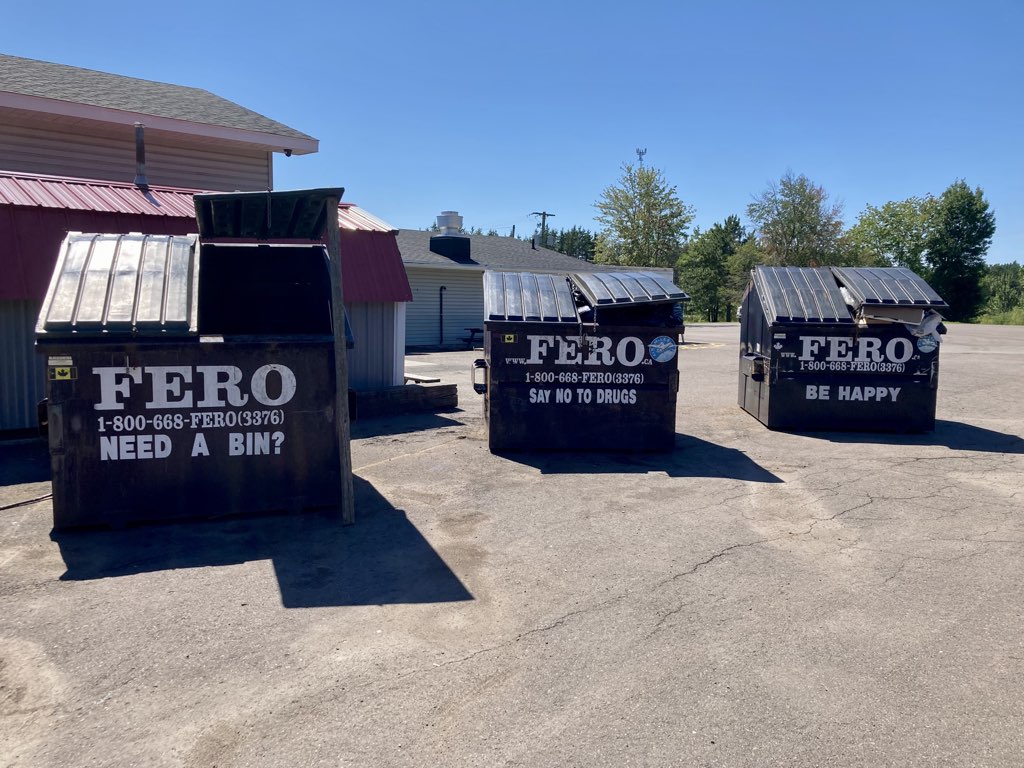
500, 109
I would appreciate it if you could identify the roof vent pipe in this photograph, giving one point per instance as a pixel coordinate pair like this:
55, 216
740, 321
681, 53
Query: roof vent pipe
140, 158
450, 223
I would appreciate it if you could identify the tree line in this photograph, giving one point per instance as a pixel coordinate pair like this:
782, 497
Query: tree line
794, 222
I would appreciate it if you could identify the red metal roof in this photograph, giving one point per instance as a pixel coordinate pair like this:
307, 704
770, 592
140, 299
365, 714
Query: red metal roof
36, 212
372, 268
35, 191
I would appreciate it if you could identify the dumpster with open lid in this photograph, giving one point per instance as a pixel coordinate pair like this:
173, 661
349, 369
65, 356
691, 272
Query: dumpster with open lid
580, 362
192, 377
840, 348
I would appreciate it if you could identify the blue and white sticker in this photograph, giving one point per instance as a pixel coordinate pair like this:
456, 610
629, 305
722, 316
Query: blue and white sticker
927, 344
662, 349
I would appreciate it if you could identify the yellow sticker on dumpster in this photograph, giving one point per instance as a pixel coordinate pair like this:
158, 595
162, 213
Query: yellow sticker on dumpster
510, 338
63, 373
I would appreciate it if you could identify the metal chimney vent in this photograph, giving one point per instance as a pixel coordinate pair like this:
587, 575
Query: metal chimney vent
450, 223
140, 158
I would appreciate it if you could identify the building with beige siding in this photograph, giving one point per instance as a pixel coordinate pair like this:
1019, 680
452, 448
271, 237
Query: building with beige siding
94, 151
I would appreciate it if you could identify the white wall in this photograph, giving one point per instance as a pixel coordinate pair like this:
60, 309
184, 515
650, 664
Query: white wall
463, 305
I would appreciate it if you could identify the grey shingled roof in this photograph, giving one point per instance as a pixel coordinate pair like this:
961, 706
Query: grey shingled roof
100, 89
500, 253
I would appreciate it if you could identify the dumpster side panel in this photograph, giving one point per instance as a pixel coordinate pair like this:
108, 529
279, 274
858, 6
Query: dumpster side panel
879, 378
754, 360
555, 387
190, 429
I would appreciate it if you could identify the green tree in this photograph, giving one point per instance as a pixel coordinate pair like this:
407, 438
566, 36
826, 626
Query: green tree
1002, 288
739, 265
703, 268
576, 242
959, 234
644, 222
796, 223
894, 235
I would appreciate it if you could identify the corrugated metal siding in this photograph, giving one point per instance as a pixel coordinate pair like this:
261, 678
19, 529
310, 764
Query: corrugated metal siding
371, 268
372, 359
62, 192
30, 240
42, 149
463, 305
22, 383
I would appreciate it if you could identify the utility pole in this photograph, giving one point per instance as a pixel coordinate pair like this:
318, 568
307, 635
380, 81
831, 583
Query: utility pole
543, 226
640, 155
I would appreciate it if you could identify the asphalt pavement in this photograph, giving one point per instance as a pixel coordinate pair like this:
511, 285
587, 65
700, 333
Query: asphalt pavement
753, 598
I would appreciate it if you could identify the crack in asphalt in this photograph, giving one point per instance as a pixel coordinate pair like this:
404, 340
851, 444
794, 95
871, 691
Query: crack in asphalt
819, 492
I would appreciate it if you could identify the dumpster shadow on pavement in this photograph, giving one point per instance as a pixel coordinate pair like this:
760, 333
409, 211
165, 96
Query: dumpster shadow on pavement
24, 461
382, 426
692, 457
382, 559
955, 435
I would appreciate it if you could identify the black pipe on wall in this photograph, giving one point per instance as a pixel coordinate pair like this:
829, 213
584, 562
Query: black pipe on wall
440, 297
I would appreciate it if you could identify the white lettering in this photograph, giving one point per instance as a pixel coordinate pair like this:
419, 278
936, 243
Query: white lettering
213, 385
539, 346
817, 392
630, 351
600, 351
568, 351
114, 381
164, 385
170, 386
259, 384
839, 349
869, 349
622, 351
899, 357
540, 395
199, 447
128, 447
811, 345
878, 394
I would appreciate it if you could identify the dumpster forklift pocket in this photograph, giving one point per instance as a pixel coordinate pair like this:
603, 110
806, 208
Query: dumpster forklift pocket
753, 366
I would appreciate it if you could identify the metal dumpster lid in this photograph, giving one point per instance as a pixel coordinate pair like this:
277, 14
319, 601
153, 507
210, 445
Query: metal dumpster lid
602, 289
888, 286
800, 295
528, 297
289, 215
130, 284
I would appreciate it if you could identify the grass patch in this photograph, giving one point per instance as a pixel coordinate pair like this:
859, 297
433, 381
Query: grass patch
1014, 316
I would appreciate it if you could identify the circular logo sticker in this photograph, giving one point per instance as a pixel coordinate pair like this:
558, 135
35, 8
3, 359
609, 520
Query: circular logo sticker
927, 344
662, 349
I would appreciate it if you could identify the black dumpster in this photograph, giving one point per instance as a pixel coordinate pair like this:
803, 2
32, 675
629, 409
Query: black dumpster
580, 362
838, 348
192, 378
